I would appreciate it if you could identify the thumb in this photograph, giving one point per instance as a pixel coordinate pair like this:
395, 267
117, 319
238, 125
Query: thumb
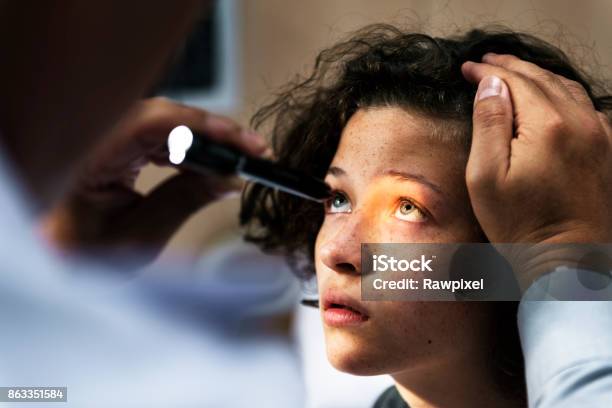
492, 133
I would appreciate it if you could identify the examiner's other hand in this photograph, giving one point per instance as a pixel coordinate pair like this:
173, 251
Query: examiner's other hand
104, 213
540, 166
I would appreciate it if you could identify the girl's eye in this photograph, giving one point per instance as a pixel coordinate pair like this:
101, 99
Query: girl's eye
338, 203
407, 211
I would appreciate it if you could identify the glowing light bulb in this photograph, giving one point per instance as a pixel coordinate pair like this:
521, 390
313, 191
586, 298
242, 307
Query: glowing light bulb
180, 140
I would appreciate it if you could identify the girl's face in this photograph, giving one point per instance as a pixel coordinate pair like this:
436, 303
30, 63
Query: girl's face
396, 180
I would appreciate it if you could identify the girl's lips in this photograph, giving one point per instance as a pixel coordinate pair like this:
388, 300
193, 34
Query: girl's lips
341, 310
339, 317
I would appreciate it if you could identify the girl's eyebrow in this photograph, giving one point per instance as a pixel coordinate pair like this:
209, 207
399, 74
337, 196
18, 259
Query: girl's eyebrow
419, 178
402, 175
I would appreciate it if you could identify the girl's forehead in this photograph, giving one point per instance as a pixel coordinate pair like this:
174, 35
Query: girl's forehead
381, 138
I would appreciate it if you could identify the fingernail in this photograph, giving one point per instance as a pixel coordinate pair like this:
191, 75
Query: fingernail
487, 55
254, 138
489, 86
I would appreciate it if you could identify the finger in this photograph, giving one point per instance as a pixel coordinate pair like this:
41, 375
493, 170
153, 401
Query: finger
577, 91
224, 130
492, 133
143, 133
167, 207
548, 82
215, 127
529, 103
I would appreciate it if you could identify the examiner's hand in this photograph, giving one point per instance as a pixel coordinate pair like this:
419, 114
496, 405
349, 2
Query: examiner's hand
540, 166
104, 213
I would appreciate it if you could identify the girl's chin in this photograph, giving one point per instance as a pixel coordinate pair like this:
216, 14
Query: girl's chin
356, 361
363, 368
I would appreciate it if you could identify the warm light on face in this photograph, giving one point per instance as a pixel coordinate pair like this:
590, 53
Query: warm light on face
393, 183
179, 141
383, 196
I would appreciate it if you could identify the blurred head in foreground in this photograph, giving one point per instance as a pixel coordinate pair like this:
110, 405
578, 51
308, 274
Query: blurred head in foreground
385, 119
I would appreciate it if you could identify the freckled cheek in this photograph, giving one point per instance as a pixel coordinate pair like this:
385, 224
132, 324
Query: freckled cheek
395, 230
377, 226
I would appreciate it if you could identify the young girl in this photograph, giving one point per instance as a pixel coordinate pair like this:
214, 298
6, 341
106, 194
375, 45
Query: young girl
385, 118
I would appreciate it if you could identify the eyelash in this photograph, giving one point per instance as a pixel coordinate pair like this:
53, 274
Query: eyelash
334, 195
400, 201
404, 200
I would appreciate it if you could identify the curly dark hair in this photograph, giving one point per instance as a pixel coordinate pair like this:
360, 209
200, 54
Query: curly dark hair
381, 65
